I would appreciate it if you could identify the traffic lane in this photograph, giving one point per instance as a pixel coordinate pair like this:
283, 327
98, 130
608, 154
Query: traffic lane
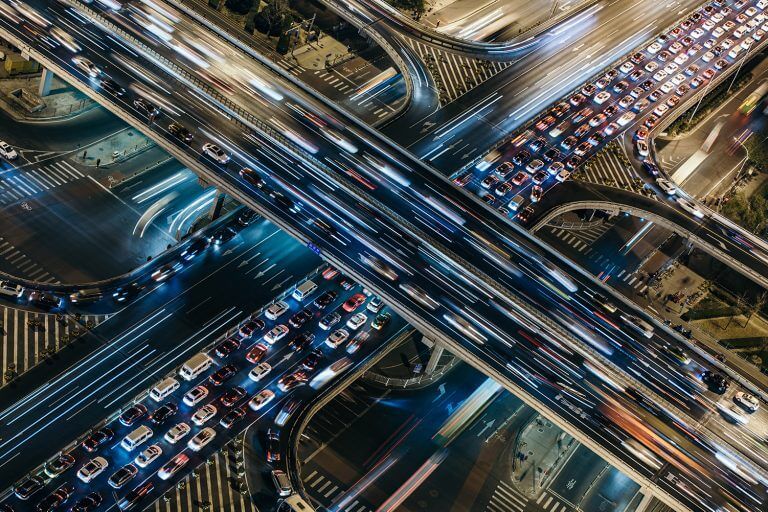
578, 475
283, 363
142, 340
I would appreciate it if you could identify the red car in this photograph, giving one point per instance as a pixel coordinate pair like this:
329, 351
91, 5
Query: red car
354, 302
257, 353
330, 273
520, 178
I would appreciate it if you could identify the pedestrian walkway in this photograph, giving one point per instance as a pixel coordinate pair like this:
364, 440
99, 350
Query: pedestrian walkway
324, 489
27, 181
214, 485
606, 168
22, 345
582, 240
506, 498
551, 502
456, 74
22, 265
541, 449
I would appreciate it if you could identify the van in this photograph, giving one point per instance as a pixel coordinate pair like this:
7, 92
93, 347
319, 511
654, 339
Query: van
195, 365
304, 290
282, 483
295, 503
86, 296
516, 202
164, 388
136, 437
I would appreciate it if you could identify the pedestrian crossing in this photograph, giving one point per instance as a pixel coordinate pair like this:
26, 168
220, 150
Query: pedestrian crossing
506, 498
582, 240
23, 182
453, 74
213, 489
349, 87
550, 502
606, 168
23, 266
324, 489
24, 346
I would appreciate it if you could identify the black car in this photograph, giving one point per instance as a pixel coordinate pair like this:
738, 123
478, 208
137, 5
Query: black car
122, 476
325, 299
223, 374
135, 496
232, 417
44, 299
716, 382
127, 292
521, 157
251, 326
195, 248
246, 217
231, 396
313, 358
56, 498
300, 318
146, 107
273, 446
223, 235
551, 154
59, 465
133, 414
301, 341
180, 132
284, 202
163, 413
87, 504
112, 87
227, 346
98, 438
252, 177
28, 487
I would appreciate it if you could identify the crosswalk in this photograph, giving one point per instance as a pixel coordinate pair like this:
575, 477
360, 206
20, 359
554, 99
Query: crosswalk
348, 87
506, 498
22, 265
214, 485
550, 502
456, 74
27, 181
582, 240
606, 168
324, 489
22, 346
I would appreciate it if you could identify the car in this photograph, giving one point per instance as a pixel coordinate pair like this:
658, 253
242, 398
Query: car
257, 353
146, 107
626, 118
292, 380
573, 162
597, 120
563, 175
261, 399
708, 74
223, 374
180, 132
112, 87
651, 67
747, 401
577, 99
595, 139
231, 396
300, 318
654, 48
655, 95
127, 292
381, 321
122, 476
135, 496
540, 177
569, 142
636, 92
223, 235
201, 439
525, 214
272, 447
582, 148
660, 75
544, 123
97, 439
660, 109
163, 413
602, 97
54, 500
232, 417
173, 466
203, 414
663, 56
520, 178
667, 186
227, 346
259, 371
588, 90
716, 382
677, 353
551, 154
275, 310
7, 151
88, 503
330, 273
721, 65
215, 153
250, 327
28, 487
555, 167
357, 320
690, 207
681, 59
375, 304
311, 361
536, 193
621, 86
521, 157
651, 121
148, 456
92, 469
582, 114
59, 465
489, 181
581, 130
86, 66
277, 333
626, 101
534, 166
177, 432
337, 337
537, 144
133, 414
353, 302
44, 299
642, 148
196, 247
627, 67
166, 271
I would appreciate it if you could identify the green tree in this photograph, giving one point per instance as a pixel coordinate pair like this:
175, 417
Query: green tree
239, 6
283, 43
757, 149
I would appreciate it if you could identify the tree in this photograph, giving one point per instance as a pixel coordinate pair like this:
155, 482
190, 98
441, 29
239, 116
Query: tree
283, 44
757, 149
239, 6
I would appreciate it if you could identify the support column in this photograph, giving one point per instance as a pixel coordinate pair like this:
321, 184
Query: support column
218, 202
434, 358
45, 83
647, 500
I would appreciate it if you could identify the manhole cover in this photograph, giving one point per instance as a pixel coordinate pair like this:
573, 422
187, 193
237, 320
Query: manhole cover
540, 429
434, 493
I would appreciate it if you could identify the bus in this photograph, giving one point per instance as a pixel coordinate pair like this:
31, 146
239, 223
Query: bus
753, 99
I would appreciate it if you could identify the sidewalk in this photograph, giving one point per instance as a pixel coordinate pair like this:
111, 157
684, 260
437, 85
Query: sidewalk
63, 102
541, 449
114, 149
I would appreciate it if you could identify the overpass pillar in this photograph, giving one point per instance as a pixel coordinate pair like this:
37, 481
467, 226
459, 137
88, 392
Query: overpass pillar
647, 501
218, 202
45, 83
434, 357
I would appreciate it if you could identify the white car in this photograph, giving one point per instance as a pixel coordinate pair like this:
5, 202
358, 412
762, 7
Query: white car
261, 399
747, 401
627, 67
708, 56
626, 118
667, 186
195, 395
201, 439
259, 372
177, 432
7, 151
173, 466
86, 66
671, 68
92, 469
690, 207
642, 148
337, 337
602, 97
215, 152
148, 456
660, 75
277, 333
661, 109
667, 87
203, 414
654, 48
276, 309
563, 175
681, 59
697, 33
652, 66
357, 321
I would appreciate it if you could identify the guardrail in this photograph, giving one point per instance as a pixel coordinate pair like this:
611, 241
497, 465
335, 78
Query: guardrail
412, 382
38, 471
